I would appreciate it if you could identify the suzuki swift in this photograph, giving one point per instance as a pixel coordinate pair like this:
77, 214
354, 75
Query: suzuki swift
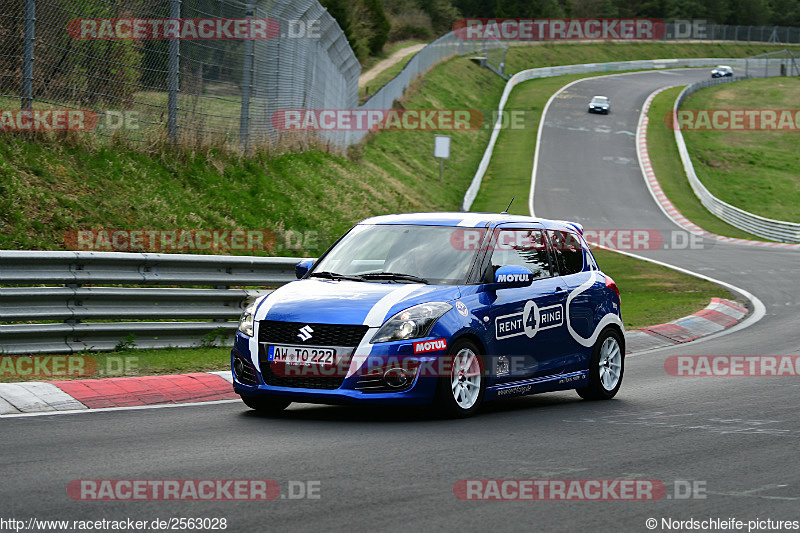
449, 309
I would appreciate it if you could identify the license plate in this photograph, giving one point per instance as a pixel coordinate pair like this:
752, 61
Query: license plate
301, 355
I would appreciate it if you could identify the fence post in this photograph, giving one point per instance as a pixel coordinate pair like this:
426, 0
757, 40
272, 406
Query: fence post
27, 54
247, 81
174, 66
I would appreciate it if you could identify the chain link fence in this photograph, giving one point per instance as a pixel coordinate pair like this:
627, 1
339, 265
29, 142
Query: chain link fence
220, 90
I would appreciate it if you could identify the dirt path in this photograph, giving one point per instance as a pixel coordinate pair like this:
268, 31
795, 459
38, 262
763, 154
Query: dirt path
393, 59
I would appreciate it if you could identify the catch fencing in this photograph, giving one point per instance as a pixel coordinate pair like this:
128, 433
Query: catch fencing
193, 91
218, 91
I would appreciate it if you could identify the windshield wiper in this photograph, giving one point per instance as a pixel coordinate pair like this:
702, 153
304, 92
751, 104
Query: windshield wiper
334, 275
395, 276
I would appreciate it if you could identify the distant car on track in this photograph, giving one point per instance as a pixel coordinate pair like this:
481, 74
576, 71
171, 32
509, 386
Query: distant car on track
453, 309
600, 104
721, 71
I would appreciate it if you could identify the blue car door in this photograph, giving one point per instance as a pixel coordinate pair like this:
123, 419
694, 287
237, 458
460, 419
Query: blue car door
576, 269
527, 322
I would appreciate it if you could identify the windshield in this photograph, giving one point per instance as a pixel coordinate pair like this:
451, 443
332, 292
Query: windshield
599, 100
433, 253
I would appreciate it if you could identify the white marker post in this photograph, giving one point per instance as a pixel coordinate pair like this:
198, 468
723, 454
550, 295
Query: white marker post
441, 150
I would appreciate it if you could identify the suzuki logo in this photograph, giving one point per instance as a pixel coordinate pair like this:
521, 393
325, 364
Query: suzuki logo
305, 333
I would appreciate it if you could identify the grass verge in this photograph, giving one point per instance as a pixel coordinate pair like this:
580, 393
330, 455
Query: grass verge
47, 188
758, 171
118, 364
651, 294
667, 166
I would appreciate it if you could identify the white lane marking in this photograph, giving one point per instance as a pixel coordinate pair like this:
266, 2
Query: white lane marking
22, 398
758, 307
224, 374
53, 396
127, 408
542, 120
6, 408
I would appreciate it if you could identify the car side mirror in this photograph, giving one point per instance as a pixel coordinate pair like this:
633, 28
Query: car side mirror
302, 268
510, 277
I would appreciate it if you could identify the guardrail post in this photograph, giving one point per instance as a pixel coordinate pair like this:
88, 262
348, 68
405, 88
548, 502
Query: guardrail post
27, 54
247, 82
173, 82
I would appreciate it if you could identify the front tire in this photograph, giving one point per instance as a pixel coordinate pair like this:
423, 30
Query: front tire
460, 394
266, 405
605, 367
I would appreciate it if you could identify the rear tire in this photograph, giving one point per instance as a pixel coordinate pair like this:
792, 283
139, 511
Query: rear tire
266, 405
605, 367
460, 394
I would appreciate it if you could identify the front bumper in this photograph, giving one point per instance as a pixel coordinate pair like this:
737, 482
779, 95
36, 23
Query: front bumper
343, 386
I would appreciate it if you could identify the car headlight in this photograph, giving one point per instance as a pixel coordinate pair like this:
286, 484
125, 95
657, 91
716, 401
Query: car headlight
411, 323
246, 320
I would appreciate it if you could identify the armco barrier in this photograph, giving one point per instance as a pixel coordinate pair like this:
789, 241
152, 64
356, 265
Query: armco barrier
776, 230
767, 64
174, 314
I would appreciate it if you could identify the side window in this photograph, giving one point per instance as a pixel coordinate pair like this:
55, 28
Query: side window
520, 247
568, 251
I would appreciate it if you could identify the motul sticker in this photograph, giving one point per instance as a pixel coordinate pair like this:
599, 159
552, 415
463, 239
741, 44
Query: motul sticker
430, 346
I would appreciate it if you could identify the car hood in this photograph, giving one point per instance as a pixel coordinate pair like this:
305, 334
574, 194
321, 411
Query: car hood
347, 302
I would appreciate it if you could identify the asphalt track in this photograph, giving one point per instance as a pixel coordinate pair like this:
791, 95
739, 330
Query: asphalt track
395, 470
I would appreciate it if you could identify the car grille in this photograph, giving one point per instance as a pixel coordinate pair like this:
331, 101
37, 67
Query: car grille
247, 374
329, 382
278, 332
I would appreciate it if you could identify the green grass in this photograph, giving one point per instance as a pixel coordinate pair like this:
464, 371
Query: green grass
758, 171
128, 363
509, 171
669, 171
382, 79
63, 183
387, 51
651, 294
551, 54
59, 183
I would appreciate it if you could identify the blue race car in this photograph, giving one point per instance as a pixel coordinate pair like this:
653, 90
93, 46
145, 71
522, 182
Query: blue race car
450, 309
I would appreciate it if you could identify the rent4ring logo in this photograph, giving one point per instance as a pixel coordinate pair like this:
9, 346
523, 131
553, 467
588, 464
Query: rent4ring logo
559, 29
529, 322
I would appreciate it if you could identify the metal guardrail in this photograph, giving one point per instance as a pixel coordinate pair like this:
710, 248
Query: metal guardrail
767, 64
174, 313
776, 230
